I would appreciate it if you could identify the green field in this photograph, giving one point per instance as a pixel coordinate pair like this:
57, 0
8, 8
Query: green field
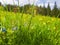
25, 29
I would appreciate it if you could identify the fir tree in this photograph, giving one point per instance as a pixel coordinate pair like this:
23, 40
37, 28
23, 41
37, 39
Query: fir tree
48, 10
55, 10
44, 12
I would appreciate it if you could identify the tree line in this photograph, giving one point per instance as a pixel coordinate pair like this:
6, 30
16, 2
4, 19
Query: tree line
46, 11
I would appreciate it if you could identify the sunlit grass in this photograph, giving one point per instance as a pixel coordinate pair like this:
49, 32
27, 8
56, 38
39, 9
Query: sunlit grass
34, 30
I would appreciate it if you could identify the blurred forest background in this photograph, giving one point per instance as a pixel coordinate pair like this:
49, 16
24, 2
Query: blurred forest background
46, 11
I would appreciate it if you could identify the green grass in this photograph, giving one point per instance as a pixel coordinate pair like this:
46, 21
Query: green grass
43, 30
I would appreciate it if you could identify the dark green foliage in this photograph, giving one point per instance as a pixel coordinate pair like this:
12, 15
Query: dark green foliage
26, 8
9, 7
55, 10
59, 13
39, 10
0, 4
48, 10
44, 10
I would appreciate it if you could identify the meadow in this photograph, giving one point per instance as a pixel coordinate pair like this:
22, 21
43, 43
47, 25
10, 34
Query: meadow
25, 29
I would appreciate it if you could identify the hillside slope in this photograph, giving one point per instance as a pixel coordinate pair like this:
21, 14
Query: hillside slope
25, 18
23, 29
